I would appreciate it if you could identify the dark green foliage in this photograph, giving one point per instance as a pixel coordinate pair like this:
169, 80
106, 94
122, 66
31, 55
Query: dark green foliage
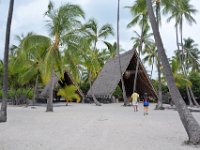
85, 87
195, 79
165, 89
1, 92
118, 92
19, 96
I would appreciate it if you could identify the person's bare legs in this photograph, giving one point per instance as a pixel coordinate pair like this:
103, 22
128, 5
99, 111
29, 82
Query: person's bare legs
134, 107
145, 110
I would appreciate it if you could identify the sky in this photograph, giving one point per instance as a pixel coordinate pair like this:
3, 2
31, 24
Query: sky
28, 16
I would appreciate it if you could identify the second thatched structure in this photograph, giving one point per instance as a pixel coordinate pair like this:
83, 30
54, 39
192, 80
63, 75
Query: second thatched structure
109, 78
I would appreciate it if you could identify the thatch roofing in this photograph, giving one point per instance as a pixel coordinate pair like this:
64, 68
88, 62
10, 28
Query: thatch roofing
109, 77
67, 80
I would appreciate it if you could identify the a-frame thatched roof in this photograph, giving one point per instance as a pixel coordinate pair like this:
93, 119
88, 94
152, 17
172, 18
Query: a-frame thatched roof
109, 77
67, 80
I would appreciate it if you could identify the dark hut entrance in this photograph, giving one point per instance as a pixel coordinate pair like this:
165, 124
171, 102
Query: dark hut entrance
67, 80
109, 78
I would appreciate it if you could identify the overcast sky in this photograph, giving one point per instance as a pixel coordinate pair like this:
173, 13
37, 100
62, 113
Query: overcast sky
29, 16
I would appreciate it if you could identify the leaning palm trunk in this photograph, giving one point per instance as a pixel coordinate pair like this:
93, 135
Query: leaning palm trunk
50, 97
190, 124
119, 60
93, 96
152, 68
159, 103
137, 66
3, 112
188, 96
194, 99
90, 78
138, 58
35, 90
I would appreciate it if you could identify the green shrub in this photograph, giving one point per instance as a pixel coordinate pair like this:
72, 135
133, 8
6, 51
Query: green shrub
117, 92
1, 94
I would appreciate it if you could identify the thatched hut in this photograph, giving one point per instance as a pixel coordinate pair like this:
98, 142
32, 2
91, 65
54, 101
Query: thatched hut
66, 81
109, 77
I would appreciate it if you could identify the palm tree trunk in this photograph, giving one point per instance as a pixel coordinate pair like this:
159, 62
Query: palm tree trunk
183, 64
35, 89
138, 59
193, 97
152, 68
159, 103
188, 96
119, 60
190, 124
3, 112
136, 70
93, 96
50, 97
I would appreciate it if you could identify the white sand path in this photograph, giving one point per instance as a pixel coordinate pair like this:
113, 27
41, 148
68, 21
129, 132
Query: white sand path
89, 127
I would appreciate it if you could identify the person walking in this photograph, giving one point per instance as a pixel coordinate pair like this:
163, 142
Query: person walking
135, 99
146, 104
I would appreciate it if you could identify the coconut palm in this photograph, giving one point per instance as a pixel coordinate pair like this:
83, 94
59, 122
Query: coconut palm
180, 10
139, 12
118, 54
69, 93
158, 19
180, 80
95, 34
192, 55
62, 22
177, 56
190, 124
3, 112
30, 59
112, 48
151, 56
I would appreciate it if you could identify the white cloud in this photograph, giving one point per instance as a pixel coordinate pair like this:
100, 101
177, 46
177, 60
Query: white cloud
29, 16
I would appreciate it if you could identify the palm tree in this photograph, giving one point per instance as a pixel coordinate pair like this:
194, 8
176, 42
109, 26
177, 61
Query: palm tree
158, 19
118, 54
180, 10
192, 55
139, 12
69, 93
112, 48
180, 80
3, 112
151, 56
62, 22
30, 59
190, 124
95, 34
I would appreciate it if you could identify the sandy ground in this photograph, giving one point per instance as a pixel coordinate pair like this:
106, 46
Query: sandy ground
89, 127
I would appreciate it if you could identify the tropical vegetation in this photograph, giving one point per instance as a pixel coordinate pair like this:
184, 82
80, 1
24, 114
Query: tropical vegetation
72, 46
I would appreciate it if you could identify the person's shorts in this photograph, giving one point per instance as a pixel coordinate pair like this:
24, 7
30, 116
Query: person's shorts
135, 103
